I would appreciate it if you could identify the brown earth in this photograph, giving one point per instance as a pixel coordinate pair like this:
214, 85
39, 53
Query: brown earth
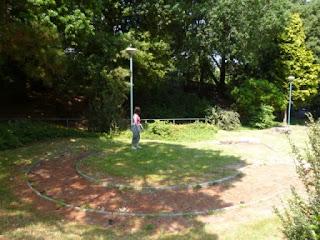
260, 187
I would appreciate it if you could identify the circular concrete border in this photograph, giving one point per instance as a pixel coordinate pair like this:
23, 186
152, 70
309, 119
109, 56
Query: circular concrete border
177, 187
206, 212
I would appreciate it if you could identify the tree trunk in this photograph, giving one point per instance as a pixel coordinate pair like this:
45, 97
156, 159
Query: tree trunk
285, 117
222, 82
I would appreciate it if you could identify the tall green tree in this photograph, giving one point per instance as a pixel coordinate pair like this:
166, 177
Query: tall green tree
296, 60
240, 34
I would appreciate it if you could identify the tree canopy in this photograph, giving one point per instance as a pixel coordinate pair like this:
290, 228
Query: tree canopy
192, 53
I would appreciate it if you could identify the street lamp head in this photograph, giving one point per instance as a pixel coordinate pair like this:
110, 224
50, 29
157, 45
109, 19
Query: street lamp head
131, 50
291, 78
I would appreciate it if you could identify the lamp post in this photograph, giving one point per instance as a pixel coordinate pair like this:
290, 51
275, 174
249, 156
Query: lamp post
290, 78
130, 50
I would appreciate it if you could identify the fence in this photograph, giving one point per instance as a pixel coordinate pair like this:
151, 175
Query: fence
68, 120
173, 120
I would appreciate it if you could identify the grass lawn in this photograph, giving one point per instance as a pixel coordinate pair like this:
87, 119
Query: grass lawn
162, 164
158, 160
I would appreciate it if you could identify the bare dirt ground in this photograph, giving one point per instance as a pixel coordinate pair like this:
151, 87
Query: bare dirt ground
258, 190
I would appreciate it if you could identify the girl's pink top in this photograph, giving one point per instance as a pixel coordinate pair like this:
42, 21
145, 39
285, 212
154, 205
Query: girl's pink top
136, 119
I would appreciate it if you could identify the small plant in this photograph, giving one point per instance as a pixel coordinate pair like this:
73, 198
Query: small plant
149, 227
301, 220
224, 119
85, 206
60, 203
198, 186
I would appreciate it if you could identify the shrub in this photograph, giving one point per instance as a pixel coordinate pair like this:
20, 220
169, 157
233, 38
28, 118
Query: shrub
263, 118
252, 94
301, 220
190, 132
19, 133
224, 119
160, 128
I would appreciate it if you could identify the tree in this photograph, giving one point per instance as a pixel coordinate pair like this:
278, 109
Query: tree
238, 32
295, 60
311, 23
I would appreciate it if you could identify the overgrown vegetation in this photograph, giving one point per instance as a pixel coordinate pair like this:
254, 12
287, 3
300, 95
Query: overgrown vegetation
254, 100
15, 134
263, 118
163, 130
301, 219
223, 119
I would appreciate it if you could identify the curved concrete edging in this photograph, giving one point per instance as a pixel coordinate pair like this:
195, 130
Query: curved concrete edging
177, 187
206, 212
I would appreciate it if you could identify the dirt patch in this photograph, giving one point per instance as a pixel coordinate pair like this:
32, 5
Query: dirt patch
58, 179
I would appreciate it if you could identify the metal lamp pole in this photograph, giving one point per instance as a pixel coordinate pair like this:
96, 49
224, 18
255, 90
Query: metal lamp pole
131, 51
290, 78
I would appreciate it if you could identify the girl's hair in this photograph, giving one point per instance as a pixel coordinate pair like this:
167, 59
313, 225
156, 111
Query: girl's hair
137, 110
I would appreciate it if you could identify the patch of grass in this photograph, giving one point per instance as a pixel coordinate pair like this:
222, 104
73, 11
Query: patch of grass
149, 227
197, 131
197, 186
265, 229
85, 206
15, 134
20, 220
162, 163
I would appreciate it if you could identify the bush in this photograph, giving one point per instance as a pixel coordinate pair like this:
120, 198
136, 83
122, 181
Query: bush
190, 132
19, 133
301, 220
160, 128
263, 118
252, 94
224, 119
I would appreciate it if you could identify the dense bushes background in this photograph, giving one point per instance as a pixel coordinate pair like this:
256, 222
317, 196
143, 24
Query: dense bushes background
15, 134
162, 130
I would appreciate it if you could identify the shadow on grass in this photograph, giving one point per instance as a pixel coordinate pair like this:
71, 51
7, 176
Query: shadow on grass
162, 164
18, 219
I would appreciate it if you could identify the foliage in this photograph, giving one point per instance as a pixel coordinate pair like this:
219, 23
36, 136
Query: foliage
295, 60
301, 220
161, 128
311, 23
72, 52
224, 119
233, 33
15, 134
252, 95
264, 118
190, 132
169, 102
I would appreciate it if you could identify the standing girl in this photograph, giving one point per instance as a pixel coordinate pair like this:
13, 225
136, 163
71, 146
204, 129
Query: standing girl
136, 128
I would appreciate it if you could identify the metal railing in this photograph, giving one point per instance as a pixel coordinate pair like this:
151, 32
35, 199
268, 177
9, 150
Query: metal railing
145, 120
174, 119
66, 120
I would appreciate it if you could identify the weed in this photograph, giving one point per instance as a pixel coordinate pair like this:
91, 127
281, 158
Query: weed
149, 227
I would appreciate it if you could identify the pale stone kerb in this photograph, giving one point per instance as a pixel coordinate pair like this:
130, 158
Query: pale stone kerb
177, 187
181, 214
